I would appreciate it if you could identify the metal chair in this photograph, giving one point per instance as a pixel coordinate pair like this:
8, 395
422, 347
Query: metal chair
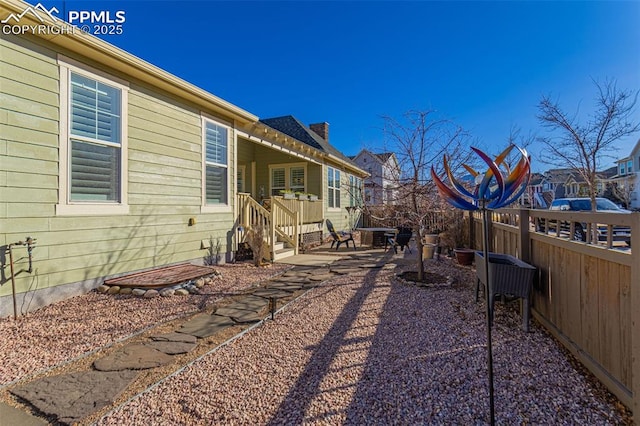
401, 239
339, 237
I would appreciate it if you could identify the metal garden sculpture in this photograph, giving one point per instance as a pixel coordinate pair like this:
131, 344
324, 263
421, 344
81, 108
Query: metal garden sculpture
498, 187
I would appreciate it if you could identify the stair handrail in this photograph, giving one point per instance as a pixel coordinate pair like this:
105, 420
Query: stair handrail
251, 212
285, 220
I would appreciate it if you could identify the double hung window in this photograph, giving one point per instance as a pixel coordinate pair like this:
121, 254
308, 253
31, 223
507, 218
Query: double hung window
216, 141
333, 187
93, 142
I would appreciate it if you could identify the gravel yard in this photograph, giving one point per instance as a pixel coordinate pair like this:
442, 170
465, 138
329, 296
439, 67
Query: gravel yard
360, 349
64, 331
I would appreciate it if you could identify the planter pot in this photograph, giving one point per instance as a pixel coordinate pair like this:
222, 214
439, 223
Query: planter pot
428, 250
288, 196
431, 239
303, 197
313, 198
464, 256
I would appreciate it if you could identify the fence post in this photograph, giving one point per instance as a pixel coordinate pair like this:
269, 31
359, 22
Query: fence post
524, 245
472, 230
634, 289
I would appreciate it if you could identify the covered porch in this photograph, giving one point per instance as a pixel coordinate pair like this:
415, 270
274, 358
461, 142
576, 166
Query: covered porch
280, 187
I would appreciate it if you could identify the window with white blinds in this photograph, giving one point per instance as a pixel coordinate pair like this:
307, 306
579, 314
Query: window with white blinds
333, 187
297, 179
288, 177
216, 159
95, 140
278, 181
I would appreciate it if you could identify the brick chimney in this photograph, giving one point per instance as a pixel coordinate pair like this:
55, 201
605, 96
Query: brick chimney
321, 129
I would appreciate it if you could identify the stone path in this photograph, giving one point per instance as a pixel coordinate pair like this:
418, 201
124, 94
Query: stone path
73, 396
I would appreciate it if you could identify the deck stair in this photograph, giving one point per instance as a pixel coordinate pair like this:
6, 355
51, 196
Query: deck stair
281, 225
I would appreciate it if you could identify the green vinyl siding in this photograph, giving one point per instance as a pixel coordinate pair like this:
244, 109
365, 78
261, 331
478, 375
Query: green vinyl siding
164, 180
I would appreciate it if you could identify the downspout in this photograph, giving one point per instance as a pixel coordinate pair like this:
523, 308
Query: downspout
13, 284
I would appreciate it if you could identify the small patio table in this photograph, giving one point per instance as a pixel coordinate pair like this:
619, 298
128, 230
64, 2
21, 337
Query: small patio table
375, 237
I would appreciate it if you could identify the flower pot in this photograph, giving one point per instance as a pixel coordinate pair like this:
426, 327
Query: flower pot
303, 197
431, 239
313, 198
464, 256
289, 196
428, 250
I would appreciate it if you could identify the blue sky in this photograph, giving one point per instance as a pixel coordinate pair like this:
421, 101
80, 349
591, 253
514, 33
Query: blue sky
483, 64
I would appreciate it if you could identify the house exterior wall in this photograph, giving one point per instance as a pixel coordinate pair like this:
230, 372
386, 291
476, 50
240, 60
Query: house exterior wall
164, 183
383, 175
629, 167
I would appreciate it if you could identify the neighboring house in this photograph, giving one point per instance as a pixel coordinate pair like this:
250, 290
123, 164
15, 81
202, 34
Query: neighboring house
380, 187
627, 178
553, 183
566, 183
115, 166
532, 197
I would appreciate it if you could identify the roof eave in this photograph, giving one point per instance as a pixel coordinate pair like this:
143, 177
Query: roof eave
98, 50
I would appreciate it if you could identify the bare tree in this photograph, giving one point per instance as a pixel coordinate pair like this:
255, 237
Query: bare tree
620, 190
581, 146
420, 139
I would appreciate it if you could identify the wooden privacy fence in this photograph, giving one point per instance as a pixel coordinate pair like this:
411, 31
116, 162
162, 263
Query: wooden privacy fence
586, 295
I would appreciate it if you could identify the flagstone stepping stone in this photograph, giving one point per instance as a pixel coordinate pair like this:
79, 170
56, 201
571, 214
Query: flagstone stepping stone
295, 274
322, 277
319, 271
172, 348
291, 279
346, 270
284, 286
303, 269
136, 356
310, 284
271, 292
206, 325
74, 396
372, 265
239, 315
229, 311
250, 303
174, 337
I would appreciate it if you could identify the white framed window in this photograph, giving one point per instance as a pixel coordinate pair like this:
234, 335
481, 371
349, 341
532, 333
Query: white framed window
278, 180
93, 141
629, 166
333, 188
291, 177
622, 169
296, 178
215, 168
355, 191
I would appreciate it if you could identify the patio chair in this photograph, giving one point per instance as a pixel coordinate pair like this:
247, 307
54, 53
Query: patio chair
339, 237
401, 239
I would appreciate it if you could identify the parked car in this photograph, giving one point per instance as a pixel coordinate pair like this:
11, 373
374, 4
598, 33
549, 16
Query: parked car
620, 233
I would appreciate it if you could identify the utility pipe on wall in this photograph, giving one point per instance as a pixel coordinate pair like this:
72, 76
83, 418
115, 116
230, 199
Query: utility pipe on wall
30, 243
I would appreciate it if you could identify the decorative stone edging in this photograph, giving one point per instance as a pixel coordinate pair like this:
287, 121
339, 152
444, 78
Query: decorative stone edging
182, 289
401, 280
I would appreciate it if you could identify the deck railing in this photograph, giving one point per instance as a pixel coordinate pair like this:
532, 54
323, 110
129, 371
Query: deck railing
309, 211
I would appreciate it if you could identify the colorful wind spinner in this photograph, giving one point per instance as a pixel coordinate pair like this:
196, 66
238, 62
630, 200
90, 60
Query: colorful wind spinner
499, 187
